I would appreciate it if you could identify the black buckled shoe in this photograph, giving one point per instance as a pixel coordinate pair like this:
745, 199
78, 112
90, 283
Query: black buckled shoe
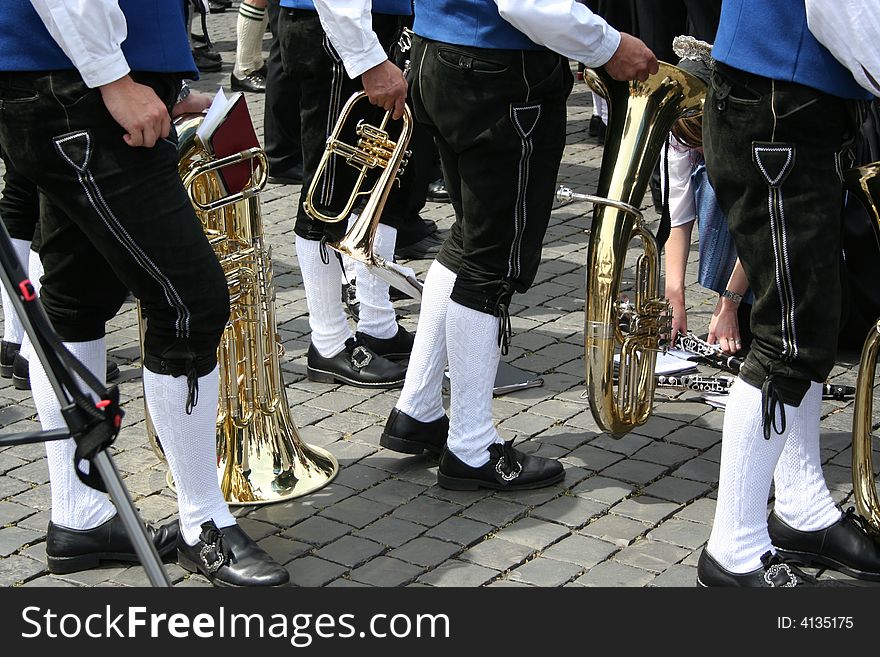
400, 346
21, 378
408, 435
355, 365
437, 191
846, 546
8, 352
229, 557
72, 550
207, 59
254, 82
774, 573
507, 469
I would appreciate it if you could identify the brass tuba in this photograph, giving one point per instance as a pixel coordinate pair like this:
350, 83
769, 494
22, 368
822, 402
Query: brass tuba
641, 115
864, 183
375, 150
260, 454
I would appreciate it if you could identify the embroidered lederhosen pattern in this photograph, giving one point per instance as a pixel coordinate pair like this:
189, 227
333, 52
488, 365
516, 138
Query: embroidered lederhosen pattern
525, 119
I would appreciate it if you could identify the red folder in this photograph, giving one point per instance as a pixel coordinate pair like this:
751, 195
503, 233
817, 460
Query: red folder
234, 134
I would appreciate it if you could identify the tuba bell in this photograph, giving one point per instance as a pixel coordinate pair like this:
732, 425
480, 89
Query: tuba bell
375, 150
864, 183
641, 115
261, 457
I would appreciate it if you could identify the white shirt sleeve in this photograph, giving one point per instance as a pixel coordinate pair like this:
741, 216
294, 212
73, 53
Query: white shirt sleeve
682, 207
349, 25
850, 29
565, 26
90, 32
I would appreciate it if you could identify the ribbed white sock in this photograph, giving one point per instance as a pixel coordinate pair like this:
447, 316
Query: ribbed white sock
377, 316
74, 505
473, 351
35, 273
739, 533
12, 329
802, 497
327, 320
249, 29
190, 445
422, 395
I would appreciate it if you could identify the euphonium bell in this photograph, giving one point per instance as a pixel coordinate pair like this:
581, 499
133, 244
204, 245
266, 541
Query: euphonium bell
260, 455
375, 150
864, 183
641, 115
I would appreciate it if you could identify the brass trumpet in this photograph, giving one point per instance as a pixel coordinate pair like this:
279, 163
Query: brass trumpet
641, 115
864, 183
374, 150
260, 455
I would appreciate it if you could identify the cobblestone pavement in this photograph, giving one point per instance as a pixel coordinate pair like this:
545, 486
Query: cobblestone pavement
630, 512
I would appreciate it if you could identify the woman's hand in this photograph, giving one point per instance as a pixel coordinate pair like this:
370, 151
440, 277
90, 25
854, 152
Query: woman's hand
724, 327
679, 319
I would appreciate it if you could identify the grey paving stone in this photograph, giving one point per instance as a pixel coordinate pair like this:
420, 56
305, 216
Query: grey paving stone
312, 571
651, 555
34, 473
665, 453
458, 573
634, 471
545, 572
592, 458
390, 531
48, 581
699, 469
657, 427
494, 511
385, 571
10, 487
676, 490
602, 489
700, 511
615, 529
426, 510
533, 533
317, 530
357, 511
497, 553
571, 511
644, 508
393, 492
256, 529
677, 575
462, 531
682, 533
11, 512
346, 584
584, 551
627, 445
13, 538
360, 477
527, 424
424, 551
509, 584
613, 574
17, 569
350, 551
283, 549
283, 514
696, 437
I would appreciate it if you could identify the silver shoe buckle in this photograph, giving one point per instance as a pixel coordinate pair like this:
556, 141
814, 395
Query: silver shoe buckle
205, 553
360, 358
777, 568
510, 476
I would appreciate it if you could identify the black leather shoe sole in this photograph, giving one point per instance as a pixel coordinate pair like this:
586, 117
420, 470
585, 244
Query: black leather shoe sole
66, 565
816, 560
325, 376
407, 435
460, 483
191, 566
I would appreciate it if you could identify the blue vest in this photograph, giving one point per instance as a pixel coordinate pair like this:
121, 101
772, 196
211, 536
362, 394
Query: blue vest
469, 23
393, 7
157, 41
771, 38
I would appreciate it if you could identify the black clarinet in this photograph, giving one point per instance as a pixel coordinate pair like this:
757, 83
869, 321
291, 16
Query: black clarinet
712, 355
714, 384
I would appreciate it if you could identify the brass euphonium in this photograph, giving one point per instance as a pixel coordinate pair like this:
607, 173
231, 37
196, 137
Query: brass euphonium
864, 183
374, 150
641, 115
260, 455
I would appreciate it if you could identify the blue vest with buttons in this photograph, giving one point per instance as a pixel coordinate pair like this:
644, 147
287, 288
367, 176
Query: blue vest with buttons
156, 42
469, 23
393, 7
771, 38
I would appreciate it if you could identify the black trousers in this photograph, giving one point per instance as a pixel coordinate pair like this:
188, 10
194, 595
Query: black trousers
499, 120
281, 126
19, 204
307, 54
773, 153
114, 219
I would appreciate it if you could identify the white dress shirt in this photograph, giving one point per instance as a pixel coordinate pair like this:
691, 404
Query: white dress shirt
90, 32
682, 205
850, 29
564, 26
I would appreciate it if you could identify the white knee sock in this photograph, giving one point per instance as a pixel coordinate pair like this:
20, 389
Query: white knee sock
473, 350
35, 273
377, 316
12, 329
190, 445
327, 320
249, 29
802, 497
74, 505
739, 533
422, 395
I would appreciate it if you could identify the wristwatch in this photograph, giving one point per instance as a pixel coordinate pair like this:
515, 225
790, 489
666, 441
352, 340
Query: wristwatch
184, 91
735, 297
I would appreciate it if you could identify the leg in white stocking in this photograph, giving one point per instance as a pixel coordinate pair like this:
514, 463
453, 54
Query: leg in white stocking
327, 320
377, 316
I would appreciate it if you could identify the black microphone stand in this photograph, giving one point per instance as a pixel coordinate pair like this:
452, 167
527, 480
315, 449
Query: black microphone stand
93, 426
